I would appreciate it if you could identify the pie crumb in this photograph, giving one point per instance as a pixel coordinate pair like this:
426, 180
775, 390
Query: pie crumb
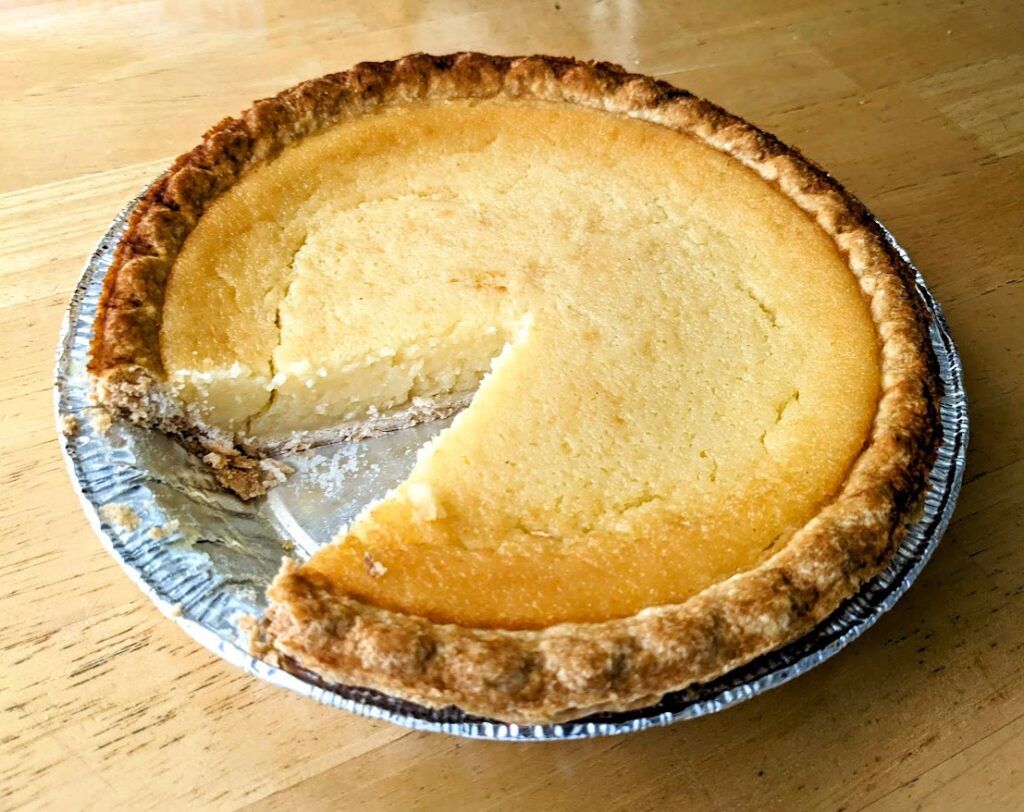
275, 472
373, 567
215, 460
121, 515
176, 609
246, 475
101, 420
69, 425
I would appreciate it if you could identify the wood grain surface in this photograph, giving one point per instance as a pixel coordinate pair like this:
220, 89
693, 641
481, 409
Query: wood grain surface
918, 107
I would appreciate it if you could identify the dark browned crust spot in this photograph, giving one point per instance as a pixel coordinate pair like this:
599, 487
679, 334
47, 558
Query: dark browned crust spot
568, 670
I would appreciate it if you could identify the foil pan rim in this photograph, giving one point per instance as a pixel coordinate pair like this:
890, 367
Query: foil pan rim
110, 477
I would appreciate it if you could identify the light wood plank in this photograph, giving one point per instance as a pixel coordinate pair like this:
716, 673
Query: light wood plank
916, 106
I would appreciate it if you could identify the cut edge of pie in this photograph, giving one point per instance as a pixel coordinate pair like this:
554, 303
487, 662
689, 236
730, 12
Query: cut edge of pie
572, 669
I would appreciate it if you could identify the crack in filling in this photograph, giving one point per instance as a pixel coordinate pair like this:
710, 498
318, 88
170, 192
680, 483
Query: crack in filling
277, 325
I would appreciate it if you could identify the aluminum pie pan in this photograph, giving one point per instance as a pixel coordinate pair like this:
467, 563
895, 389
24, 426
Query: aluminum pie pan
205, 557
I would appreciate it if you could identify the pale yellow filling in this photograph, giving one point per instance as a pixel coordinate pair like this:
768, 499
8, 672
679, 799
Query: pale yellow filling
689, 368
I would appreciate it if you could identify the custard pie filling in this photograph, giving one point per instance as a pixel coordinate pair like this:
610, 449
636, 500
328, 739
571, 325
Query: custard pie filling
671, 367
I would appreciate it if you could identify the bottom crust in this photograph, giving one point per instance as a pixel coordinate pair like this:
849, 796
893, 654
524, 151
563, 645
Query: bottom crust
419, 411
295, 669
249, 469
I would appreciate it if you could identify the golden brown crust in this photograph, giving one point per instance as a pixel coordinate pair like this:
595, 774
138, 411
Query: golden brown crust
568, 670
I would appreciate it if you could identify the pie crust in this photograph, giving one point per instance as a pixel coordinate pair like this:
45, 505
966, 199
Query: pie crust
569, 670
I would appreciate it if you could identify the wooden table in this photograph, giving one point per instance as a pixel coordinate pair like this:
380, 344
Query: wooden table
918, 107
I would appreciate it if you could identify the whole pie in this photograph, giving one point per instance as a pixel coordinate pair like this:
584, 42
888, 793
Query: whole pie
695, 392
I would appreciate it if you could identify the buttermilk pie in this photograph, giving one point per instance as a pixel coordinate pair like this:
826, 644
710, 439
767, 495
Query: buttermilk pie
696, 401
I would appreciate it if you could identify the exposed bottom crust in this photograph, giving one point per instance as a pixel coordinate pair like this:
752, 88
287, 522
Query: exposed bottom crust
247, 466
251, 473
421, 410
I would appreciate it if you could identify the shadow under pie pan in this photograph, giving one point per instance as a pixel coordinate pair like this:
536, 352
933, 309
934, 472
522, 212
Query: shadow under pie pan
205, 557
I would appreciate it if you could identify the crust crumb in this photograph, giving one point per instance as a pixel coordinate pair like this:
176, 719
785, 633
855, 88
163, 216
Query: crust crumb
246, 476
69, 425
101, 420
215, 460
275, 471
120, 515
